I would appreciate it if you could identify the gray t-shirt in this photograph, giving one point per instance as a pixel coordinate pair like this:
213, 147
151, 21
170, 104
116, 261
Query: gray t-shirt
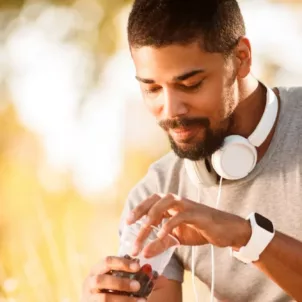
273, 189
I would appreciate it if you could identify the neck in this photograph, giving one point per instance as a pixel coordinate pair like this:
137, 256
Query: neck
247, 115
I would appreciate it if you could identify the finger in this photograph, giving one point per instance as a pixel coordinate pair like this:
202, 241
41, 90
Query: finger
154, 217
122, 264
143, 208
140, 239
113, 298
100, 268
100, 282
154, 248
158, 210
158, 246
173, 222
95, 298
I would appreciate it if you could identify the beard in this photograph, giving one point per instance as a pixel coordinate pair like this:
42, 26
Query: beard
211, 142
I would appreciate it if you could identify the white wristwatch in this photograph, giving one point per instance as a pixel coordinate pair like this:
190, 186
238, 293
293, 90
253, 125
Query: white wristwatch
262, 234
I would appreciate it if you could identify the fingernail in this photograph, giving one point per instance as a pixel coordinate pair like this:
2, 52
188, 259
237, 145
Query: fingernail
134, 285
136, 250
141, 300
134, 266
131, 217
148, 255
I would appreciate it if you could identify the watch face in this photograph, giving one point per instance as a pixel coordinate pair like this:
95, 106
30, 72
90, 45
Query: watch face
264, 223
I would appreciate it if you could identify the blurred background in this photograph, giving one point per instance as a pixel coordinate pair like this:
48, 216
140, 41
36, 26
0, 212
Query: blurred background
75, 136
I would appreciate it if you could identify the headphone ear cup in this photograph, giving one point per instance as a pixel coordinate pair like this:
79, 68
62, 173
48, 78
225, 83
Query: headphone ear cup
238, 155
200, 172
236, 159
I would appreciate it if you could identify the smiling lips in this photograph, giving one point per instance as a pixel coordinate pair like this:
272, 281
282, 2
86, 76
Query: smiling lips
185, 134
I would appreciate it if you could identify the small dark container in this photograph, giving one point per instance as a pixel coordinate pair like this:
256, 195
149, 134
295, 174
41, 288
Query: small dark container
145, 276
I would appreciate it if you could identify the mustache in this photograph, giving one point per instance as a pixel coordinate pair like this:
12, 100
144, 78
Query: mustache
184, 122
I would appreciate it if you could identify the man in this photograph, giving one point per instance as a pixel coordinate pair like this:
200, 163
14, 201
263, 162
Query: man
193, 63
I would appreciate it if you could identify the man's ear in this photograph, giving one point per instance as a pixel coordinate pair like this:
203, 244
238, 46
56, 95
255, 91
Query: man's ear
243, 55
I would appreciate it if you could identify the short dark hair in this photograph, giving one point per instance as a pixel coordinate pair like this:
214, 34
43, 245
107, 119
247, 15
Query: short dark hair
217, 24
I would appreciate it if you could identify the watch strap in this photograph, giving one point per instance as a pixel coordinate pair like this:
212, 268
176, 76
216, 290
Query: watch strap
259, 240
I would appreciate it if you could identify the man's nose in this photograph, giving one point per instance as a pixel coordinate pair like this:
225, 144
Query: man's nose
173, 105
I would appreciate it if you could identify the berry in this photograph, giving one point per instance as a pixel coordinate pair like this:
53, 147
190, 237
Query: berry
147, 269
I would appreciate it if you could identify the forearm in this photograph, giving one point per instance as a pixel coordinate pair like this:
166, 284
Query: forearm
159, 297
169, 291
282, 262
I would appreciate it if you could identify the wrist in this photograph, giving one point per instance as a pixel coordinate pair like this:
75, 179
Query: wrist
244, 233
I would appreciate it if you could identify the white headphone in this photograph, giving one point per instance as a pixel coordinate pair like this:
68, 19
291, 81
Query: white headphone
238, 155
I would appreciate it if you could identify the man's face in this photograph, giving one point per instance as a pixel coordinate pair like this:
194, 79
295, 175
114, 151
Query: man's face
191, 93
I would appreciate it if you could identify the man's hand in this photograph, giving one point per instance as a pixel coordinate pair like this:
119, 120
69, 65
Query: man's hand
190, 222
98, 280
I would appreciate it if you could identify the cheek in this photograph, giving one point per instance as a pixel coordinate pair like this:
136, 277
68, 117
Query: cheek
209, 102
230, 101
153, 107
215, 100
149, 103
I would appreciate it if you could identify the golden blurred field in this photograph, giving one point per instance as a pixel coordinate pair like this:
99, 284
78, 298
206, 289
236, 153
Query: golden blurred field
50, 239
75, 137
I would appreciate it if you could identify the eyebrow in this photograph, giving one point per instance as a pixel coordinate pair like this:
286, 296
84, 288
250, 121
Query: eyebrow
178, 78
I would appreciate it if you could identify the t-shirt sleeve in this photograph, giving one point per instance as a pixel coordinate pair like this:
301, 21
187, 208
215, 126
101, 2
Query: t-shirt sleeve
174, 270
146, 187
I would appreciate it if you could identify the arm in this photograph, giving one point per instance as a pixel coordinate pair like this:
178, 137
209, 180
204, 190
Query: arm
169, 291
281, 261
197, 224
169, 287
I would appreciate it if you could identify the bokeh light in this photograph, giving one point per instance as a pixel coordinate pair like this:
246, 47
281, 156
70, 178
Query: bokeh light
75, 135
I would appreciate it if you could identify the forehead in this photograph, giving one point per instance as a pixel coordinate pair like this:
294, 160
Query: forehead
168, 61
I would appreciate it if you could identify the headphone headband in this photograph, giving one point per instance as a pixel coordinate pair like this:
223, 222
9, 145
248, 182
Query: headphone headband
267, 121
238, 155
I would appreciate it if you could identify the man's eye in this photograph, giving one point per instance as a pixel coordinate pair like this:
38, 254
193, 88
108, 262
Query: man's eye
151, 90
192, 87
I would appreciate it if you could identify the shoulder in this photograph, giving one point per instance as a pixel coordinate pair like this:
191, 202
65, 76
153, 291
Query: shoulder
162, 176
291, 95
167, 169
291, 91
291, 106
